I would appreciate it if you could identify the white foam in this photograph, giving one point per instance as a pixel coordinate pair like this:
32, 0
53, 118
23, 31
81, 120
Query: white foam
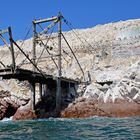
7, 119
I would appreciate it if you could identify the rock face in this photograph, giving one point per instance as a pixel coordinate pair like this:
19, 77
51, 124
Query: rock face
88, 108
10, 99
119, 99
24, 112
109, 56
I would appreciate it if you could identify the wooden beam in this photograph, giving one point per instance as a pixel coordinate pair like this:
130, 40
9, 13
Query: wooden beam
34, 46
44, 20
3, 31
12, 49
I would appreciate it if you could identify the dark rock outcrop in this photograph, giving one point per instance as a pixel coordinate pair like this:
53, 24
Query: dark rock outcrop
88, 108
24, 113
10, 101
7, 106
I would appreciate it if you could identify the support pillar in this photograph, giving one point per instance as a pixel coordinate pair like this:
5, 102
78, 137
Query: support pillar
34, 45
58, 90
12, 48
32, 86
44, 90
69, 90
58, 95
40, 91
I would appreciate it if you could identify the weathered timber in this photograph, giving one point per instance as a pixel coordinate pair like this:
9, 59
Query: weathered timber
24, 74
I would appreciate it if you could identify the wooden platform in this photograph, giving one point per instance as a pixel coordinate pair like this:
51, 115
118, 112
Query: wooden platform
24, 74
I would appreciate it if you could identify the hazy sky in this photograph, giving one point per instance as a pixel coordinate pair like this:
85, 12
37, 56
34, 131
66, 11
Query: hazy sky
81, 13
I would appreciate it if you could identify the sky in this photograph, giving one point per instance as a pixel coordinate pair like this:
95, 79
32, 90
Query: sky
81, 13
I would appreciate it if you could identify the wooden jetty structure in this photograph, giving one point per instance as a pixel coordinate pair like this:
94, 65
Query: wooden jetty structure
36, 75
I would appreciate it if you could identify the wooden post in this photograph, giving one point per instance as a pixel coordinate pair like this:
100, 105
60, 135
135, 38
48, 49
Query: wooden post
69, 90
58, 91
40, 91
12, 48
32, 86
34, 45
44, 90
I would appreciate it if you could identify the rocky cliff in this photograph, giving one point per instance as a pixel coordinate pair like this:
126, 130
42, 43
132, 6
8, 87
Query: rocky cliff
109, 56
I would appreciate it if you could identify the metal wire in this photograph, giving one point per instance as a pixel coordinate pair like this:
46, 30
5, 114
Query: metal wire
74, 56
30, 27
4, 41
45, 45
77, 34
53, 42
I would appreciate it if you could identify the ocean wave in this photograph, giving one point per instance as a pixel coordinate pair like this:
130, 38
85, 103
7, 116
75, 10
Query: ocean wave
7, 119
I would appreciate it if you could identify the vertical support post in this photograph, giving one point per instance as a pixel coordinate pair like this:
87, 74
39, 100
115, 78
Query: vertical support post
58, 91
44, 90
69, 90
12, 48
34, 45
32, 85
40, 90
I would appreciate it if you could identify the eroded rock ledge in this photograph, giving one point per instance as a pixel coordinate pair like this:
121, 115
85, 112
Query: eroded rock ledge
87, 108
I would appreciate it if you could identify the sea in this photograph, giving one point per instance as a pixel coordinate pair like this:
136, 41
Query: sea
94, 128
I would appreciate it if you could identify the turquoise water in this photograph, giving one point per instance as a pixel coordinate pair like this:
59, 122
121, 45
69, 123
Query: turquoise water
97, 128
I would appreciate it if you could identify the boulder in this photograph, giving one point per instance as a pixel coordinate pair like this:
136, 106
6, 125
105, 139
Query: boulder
24, 113
10, 101
90, 108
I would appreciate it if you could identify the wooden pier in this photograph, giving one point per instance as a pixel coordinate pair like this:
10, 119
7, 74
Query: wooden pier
37, 78
36, 75
31, 76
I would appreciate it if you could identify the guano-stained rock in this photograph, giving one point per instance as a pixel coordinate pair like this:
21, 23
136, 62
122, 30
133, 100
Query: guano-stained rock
110, 61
